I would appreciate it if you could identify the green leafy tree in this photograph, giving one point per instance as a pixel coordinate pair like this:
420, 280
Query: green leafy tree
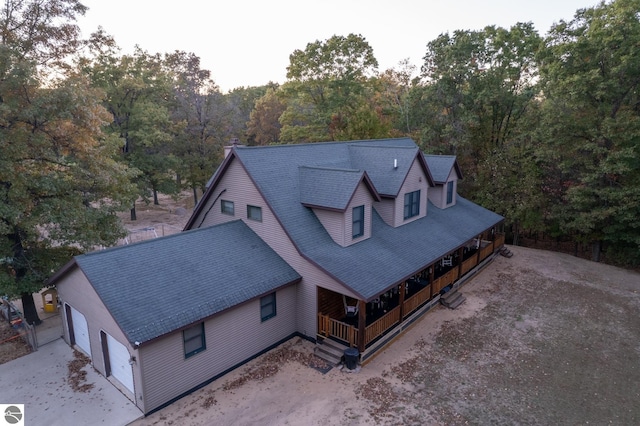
591, 76
327, 92
264, 125
139, 97
204, 115
60, 184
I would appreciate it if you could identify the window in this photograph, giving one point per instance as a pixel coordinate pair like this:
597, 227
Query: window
227, 207
254, 213
268, 306
411, 204
358, 222
193, 338
449, 192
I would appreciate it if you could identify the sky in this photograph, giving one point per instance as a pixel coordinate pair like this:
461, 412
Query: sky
248, 42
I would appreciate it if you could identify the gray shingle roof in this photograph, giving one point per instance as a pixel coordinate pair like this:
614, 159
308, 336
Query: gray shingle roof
391, 254
387, 166
328, 187
440, 166
158, 286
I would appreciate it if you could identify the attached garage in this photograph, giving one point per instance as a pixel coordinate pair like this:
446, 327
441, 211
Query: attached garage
79, 329
117, 360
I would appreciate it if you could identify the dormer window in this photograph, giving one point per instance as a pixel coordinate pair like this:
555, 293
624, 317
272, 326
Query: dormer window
450, 192
358, 222
411, 204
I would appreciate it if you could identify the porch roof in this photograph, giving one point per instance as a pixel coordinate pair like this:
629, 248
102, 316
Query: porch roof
372, 266
158, 286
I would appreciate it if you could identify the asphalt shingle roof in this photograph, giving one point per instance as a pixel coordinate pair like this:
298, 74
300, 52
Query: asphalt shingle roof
328, 187
440, 166
161, 285
391, 254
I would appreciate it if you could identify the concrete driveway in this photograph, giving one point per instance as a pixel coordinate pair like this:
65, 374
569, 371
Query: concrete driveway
39, 381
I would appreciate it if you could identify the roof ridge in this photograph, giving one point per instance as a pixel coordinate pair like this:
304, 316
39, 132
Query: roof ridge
153, 240
336, 169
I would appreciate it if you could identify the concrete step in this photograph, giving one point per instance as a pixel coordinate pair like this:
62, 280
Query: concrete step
459, 301
330, 351
450, 297
453, 299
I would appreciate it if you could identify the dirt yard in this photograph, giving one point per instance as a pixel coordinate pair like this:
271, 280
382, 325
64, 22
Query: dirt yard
543, 338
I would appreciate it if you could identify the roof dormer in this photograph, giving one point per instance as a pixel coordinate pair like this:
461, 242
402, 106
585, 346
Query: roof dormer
341, 199
446, 173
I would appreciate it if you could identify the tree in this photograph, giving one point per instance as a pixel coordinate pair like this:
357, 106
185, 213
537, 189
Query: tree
60, 185
483, 83
41, 31
139, 95
203, 113
264, 126
326, 89
591, 76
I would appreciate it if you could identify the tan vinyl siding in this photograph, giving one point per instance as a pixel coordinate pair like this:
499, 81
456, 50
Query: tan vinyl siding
339, 225
74, 289
453, 177
334, 223
437, 195
241, 190
231, 338
387, 210
361, 197
392, 210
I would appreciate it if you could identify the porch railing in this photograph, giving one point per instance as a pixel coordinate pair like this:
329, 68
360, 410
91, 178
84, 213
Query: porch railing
499, 240
416, 300
486, 251
383, 324
468, 265
327, 326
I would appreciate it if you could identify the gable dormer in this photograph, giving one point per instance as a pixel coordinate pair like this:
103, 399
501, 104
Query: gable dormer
402, 178
446, 173
341, 199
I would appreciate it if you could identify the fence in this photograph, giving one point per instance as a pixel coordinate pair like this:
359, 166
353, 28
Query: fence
18, 322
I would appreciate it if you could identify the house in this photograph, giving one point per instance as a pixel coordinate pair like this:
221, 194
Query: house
336, 242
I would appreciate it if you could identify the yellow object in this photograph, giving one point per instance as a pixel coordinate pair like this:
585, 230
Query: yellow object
50, 300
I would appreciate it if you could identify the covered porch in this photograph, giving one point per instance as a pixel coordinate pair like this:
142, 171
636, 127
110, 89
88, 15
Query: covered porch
366, 323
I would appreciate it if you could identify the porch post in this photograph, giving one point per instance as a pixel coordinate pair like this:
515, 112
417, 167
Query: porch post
493, 239
401, 299
362, 324
432, 277
460, 259
479, 248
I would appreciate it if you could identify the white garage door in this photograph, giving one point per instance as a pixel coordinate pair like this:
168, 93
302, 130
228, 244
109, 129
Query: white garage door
80, 331
119, 362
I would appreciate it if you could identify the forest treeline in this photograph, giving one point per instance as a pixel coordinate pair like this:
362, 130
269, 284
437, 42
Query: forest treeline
546, 128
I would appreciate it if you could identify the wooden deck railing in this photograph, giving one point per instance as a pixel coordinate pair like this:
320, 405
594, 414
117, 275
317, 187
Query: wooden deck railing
329, 327
486, 251
416, 300
448, 278
383, 324
468, 264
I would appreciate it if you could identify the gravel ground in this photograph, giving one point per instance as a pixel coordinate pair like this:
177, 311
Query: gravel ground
543, 339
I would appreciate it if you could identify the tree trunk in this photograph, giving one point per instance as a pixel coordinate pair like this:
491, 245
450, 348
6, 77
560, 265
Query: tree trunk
595, 250
195, 196
155, 198
29, 309
133, 212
